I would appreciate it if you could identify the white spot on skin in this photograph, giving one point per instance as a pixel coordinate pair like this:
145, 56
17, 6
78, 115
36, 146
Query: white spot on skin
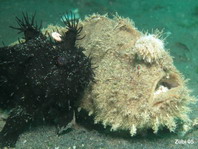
24, 141
56, 36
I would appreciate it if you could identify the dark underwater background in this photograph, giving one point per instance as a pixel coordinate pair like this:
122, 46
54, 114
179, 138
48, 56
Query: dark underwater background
179, 21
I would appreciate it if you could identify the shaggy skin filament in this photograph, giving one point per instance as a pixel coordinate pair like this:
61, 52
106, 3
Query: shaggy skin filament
28, 26
73, 32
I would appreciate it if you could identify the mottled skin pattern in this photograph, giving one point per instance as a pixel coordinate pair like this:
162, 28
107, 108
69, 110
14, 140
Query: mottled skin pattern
41, 79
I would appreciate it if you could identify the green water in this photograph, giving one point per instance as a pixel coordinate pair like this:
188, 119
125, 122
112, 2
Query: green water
178, 19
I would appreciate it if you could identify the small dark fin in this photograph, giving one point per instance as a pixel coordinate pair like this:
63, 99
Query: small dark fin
28, 26
73, 32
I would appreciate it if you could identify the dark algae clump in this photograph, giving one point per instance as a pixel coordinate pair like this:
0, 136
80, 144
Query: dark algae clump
42, 79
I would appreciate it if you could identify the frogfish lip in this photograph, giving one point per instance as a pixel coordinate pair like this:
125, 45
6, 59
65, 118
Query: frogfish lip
166, 86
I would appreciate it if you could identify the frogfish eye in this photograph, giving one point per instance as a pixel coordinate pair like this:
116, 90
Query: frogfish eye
61, 61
